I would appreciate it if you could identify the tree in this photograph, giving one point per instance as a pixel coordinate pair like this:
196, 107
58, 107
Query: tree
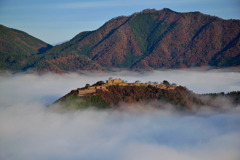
100, 83
166, 83
87, 85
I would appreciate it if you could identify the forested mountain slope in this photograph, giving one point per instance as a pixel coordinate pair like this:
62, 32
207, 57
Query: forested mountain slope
19, 50
148, 40
155, 39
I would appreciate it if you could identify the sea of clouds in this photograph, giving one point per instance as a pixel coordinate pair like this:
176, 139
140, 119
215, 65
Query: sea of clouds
30, 131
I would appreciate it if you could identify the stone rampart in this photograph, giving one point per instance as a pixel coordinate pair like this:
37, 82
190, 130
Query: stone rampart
93, 89
86, 91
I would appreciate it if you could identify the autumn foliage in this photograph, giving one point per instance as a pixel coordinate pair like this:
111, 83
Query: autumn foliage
116, 95
146, 40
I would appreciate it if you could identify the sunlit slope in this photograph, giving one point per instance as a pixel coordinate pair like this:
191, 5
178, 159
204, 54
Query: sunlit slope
19, 50
150, 39
154, 39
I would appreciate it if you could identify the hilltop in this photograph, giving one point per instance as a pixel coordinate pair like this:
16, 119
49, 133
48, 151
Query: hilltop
116, 92
149, 39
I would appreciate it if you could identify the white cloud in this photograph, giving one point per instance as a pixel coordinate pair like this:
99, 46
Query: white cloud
50, 87
29, 131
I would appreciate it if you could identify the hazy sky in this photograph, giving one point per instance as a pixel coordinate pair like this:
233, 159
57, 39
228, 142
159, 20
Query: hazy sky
55, 21
30, 132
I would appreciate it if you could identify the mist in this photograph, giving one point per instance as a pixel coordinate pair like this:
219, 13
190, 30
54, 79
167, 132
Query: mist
30, 131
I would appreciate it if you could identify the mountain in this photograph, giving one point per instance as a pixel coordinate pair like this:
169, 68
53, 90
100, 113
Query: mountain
18, 49
116, 93
154, 39
149, 39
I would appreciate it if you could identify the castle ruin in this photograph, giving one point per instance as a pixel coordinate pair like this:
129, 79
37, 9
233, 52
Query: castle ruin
93, 89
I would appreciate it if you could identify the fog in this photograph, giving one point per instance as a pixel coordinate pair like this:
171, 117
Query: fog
29, 131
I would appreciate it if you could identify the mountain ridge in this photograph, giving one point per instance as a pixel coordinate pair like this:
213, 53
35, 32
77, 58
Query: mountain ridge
18, 49
149, 39
37, 45
126, 42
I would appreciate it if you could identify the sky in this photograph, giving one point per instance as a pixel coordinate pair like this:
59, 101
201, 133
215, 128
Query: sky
55, 21
31, 131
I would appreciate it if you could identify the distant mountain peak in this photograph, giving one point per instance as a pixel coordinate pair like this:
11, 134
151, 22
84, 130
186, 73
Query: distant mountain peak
168, 10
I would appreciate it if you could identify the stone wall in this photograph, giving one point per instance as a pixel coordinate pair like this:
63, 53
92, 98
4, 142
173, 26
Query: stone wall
160, 86
115, 81
119, 82
86, 91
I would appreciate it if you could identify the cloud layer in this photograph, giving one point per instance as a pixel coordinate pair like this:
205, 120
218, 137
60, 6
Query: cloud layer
29, 131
